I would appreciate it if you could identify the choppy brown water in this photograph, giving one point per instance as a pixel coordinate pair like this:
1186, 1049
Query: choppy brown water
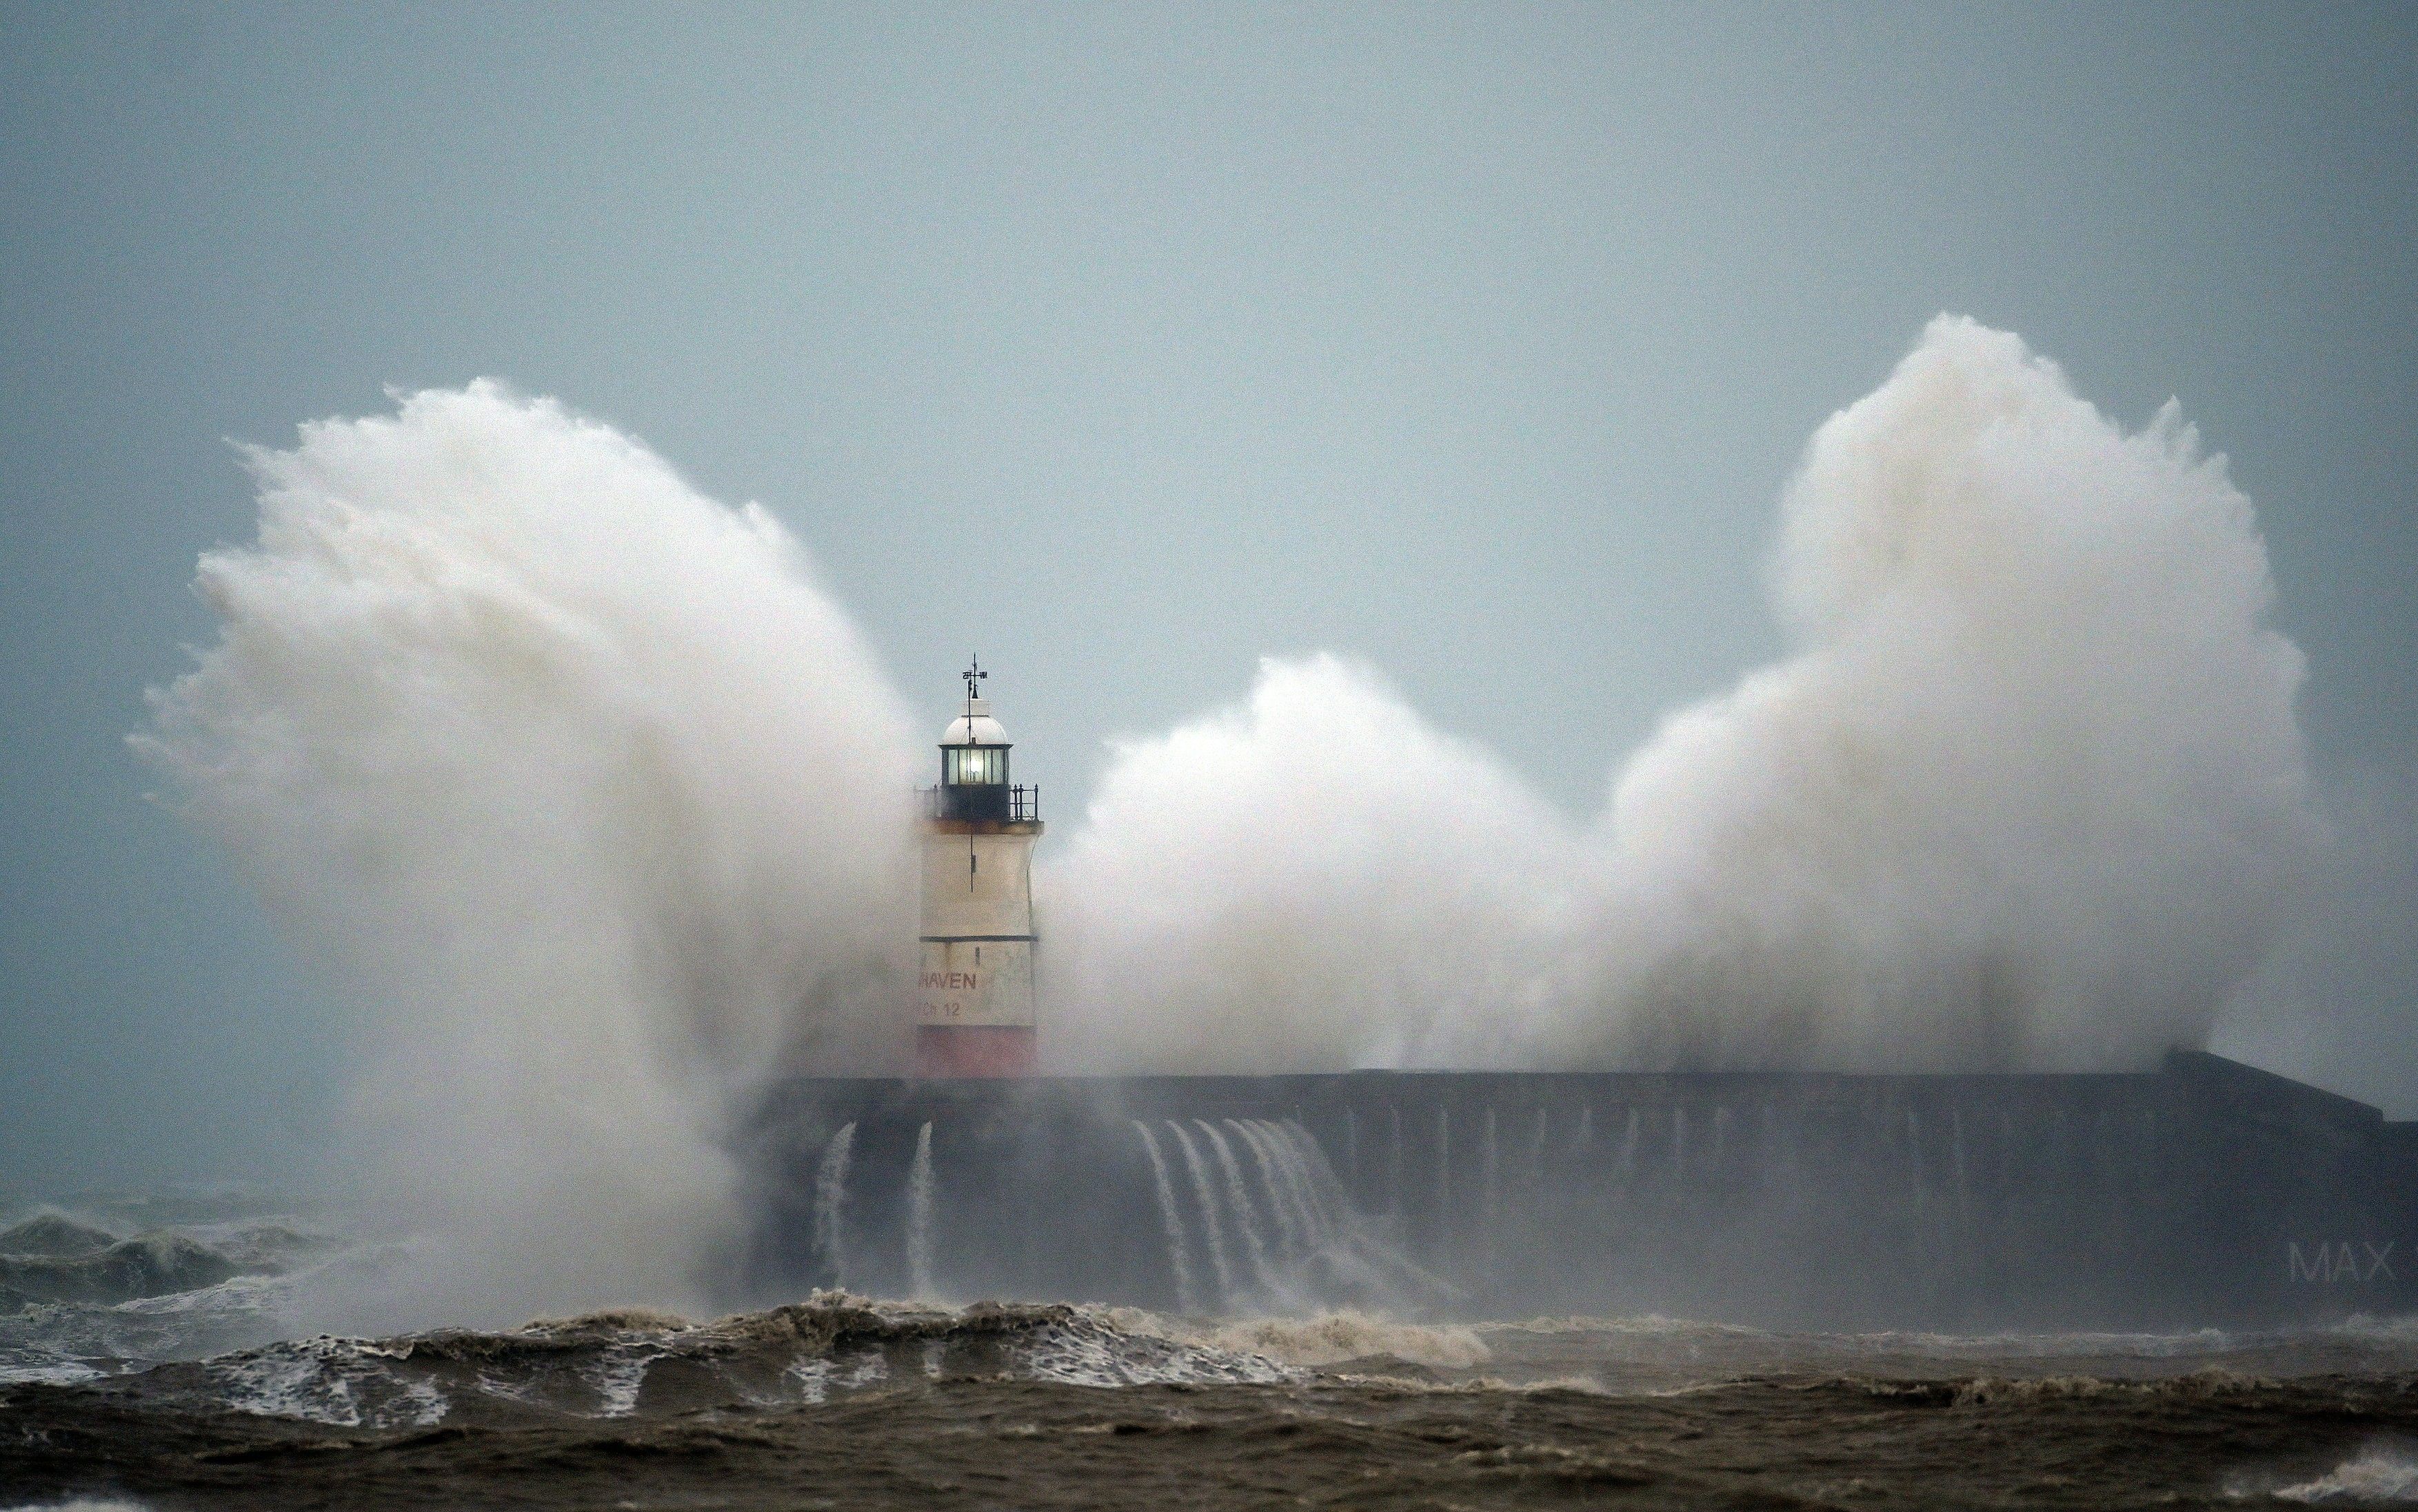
840, 1403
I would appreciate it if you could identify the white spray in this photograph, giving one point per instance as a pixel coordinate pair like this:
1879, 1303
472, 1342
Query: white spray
587, 798
2024, 796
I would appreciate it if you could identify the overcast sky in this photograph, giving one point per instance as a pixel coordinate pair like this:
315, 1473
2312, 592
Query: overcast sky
1126, 346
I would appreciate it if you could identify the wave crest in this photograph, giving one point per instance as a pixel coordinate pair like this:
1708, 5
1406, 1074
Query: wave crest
623, 1363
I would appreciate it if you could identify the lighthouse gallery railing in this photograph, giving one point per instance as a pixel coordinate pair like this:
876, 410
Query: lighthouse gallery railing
1016, 803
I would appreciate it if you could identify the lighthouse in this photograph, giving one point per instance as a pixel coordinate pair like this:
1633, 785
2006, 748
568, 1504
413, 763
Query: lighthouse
974, 996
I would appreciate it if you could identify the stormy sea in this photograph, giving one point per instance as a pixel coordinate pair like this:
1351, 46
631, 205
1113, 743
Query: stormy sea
590, 801
148, 1361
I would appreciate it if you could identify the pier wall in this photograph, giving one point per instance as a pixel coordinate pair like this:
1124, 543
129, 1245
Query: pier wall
2205, 1193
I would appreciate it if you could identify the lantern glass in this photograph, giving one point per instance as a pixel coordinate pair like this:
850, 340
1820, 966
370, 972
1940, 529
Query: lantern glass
983, 764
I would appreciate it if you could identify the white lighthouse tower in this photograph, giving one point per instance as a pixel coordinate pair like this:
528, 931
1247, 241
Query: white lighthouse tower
974, 991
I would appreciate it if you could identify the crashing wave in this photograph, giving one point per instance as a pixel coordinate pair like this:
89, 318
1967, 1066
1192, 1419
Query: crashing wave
148, 1265
52, 1256
1325, 1338
2377, 1475
69, 1340
51, 1235
646, 1363
79, 1299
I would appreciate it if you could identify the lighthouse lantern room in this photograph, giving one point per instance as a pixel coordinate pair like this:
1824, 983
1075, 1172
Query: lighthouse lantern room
975, 998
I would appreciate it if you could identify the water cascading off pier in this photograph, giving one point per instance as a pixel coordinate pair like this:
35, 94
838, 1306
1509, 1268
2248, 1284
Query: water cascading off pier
2205, 1192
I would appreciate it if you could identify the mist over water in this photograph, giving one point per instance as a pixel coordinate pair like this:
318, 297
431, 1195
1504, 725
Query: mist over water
593, 799
2023, 796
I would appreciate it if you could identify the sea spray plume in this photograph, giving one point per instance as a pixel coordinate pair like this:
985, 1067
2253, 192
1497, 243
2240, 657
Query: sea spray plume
576, 783
1305, 882
2327, 1002
2024, 796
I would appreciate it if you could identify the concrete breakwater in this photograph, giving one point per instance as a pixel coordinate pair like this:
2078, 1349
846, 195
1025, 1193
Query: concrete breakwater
2205, 1193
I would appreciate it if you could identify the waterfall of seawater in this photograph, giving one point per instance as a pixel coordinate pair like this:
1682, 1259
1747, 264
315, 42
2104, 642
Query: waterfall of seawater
1238, 1199
1303, 1239
1290, 1189
1177, 1260
1205, 1195
1290, 1240
919, 1215
1373, 1272
1260, 1199
1326, 1214
831, 1197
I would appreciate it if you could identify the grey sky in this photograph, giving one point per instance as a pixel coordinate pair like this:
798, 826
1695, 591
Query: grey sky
1128, 344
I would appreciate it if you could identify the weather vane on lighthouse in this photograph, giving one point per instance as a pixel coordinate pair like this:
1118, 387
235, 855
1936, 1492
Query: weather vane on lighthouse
975, 998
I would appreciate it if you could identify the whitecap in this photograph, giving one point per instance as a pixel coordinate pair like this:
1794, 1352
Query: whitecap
2376, 1475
